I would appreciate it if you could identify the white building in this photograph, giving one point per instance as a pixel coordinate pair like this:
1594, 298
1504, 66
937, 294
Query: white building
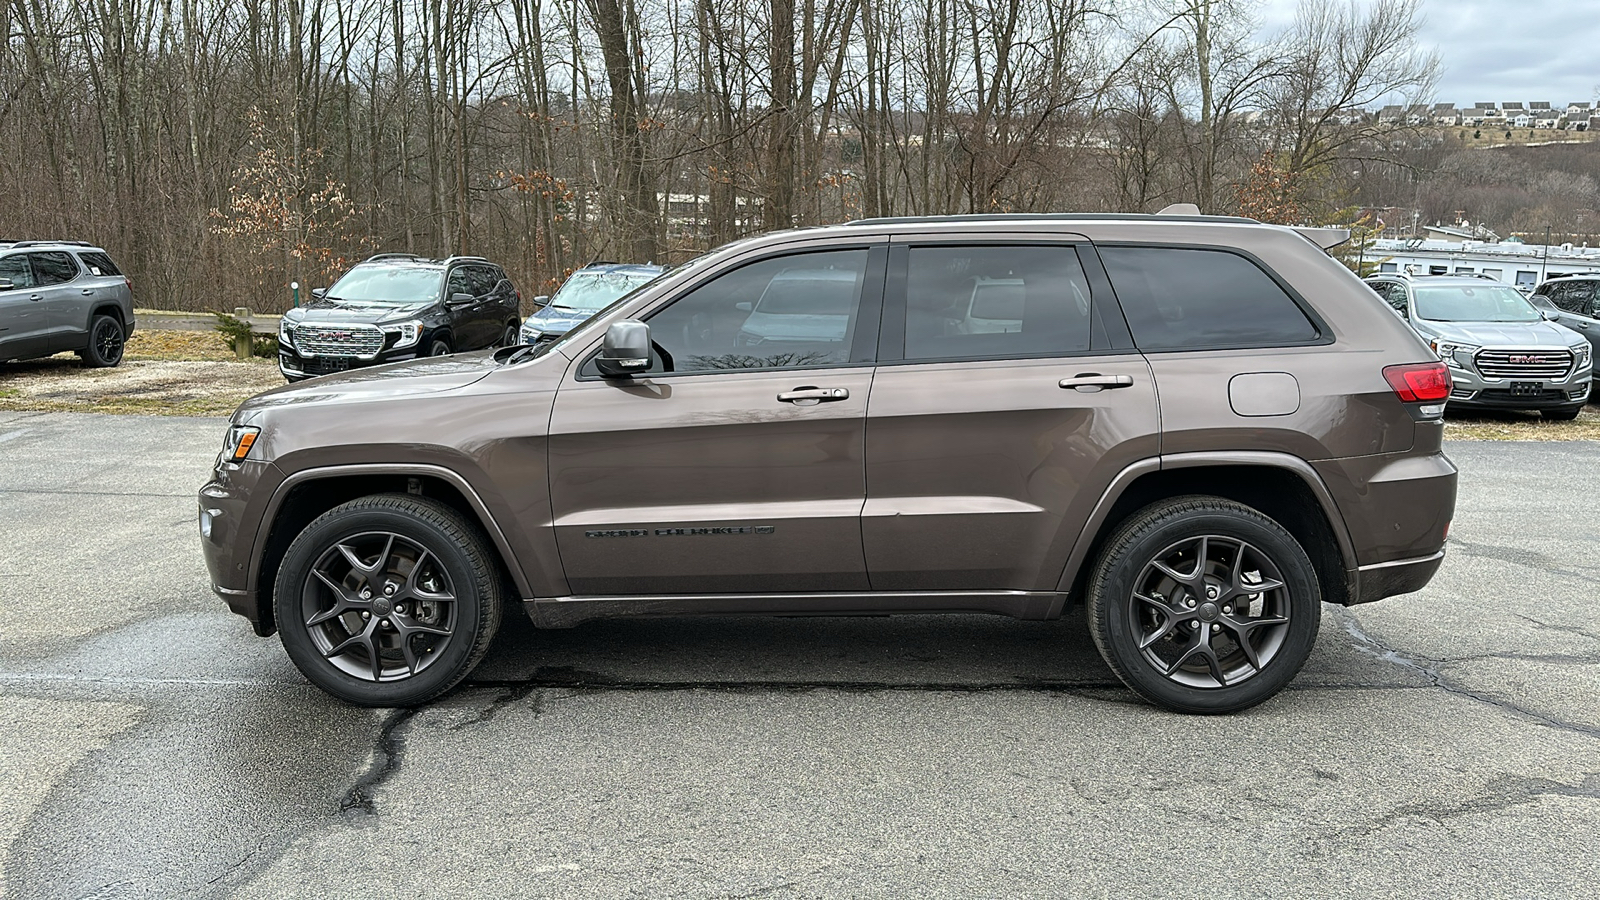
1522, 265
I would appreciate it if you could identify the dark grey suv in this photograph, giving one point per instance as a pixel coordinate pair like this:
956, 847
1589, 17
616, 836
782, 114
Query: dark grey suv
1199, 428
59, 296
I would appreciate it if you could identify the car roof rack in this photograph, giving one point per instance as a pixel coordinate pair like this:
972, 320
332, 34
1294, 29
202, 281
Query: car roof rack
50, 243
451, 259
378, 256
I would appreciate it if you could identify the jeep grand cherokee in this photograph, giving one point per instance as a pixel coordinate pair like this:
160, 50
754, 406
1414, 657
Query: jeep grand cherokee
1200, 428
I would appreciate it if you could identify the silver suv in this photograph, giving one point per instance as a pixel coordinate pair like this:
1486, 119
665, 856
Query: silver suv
1503, 352
57, 296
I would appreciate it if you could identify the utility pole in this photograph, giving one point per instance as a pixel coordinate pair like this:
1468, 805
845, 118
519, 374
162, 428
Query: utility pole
1544, 262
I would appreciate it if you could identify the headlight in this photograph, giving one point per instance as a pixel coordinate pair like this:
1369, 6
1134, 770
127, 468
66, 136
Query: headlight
286, 331
236, 446
530, 334
1580, 354
1447, 350
410, 333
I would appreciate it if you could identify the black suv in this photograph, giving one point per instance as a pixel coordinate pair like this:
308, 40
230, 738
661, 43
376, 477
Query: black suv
60, 296
1574, 301
398, 306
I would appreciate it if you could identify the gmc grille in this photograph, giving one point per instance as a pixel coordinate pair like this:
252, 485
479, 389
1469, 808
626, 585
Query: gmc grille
356, 341
1523, 363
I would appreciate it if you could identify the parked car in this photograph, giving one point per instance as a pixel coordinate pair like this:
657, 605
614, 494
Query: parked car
396, 306
1503, 352
585, 292
1574, 302
58, 296
647, 464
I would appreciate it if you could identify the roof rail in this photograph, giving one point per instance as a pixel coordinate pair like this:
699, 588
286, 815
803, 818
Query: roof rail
50, 243
378, 256
452, 259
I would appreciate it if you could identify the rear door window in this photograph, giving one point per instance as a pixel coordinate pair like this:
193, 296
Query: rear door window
53, 268
982, 301
1177, 298
99, 264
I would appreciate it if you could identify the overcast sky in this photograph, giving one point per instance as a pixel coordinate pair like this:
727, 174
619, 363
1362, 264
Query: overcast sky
1504, 50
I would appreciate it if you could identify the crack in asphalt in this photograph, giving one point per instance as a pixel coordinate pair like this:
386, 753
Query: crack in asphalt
1564, 629
511, 694
386, 758
1504, 792
1371, 645
1529, 558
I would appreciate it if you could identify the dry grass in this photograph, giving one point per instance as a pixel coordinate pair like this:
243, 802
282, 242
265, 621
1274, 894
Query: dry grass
1520, 426
170, 373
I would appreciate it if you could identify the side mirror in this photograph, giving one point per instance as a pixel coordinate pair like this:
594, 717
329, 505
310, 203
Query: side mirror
319, 293
1547, 315
744, 306
542, 300
626, 349
6, 284
459, 299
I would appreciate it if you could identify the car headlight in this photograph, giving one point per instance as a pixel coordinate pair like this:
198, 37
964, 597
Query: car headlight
410, 333
236, 445
1447, 350
530, 334
286, 331
1580, 354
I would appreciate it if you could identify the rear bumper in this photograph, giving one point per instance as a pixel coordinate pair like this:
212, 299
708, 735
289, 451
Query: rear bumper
1387, 579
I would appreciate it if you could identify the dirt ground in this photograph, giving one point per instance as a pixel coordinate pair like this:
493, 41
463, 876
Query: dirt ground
194, 373
168, 373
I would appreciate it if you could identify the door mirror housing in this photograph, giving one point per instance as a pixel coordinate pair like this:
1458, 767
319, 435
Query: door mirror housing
6, 284
744, 306
319, 293
460, 299
626, 349
542, 300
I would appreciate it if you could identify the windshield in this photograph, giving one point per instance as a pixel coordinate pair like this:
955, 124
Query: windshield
1473, 303
812, 293
388, 285
592, 291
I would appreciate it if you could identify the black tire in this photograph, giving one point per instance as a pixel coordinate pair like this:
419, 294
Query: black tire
1565, 414
439, 347
106, 342
425, 644
511, 337
1151, 626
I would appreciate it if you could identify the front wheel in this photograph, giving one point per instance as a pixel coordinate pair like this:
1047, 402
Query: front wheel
1204, 605
439, 347
388, 600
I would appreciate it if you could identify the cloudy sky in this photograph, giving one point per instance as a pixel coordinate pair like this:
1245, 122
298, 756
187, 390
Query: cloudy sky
1501, 50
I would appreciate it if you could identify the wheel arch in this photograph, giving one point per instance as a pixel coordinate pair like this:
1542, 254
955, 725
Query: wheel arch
106, 308
307, 494
1284, 488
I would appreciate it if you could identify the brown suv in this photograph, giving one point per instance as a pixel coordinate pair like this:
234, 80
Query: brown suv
1199, 427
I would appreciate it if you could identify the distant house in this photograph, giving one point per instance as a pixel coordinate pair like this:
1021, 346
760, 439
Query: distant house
1519, 120
1445, 114
1546, 118
1511, 109
1417, 115
1537, 106
1474, 116
1392, 114
1578, 111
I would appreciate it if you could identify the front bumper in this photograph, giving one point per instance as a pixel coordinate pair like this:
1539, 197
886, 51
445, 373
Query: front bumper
296, 367
230, 513
1499, 396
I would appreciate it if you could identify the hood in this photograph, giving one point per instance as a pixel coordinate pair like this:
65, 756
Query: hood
330, 309
1509, 335
408, 378
551, 320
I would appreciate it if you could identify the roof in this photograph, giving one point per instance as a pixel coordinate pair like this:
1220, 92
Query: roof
7, 244
1049, 217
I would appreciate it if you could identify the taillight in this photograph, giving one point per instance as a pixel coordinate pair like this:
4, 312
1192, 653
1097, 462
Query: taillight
1419, 382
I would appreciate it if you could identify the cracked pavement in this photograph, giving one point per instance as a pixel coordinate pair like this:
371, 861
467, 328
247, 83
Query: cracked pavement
1444, 744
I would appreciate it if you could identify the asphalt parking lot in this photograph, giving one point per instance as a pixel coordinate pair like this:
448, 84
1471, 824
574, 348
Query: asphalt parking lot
1445, 744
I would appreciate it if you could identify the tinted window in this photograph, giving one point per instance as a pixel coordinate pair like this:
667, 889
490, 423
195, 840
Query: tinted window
1473, 303
53, 268
1572, 296
99, 264
16, 269
1176, 299
968, 302
798, 310
387, 285
482, 279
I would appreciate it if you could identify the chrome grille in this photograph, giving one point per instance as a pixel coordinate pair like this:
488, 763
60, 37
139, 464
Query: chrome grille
358, 341
1523, 363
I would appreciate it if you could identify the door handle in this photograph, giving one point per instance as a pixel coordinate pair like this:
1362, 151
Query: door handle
820, 395
87, 292
35, 296
1090, 382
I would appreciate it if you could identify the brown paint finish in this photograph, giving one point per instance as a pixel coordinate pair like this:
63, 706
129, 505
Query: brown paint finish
981, 474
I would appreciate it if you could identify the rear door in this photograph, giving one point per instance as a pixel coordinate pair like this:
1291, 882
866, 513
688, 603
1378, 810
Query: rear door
1576, 304
66, 300
1008, 396
24, 323
734, 465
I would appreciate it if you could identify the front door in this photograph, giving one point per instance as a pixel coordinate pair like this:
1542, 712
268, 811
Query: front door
735, 464
1579, 307
1007, 398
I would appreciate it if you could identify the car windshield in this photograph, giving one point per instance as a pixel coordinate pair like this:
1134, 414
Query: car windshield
388, 285
812, 293
593, 291
1473, 303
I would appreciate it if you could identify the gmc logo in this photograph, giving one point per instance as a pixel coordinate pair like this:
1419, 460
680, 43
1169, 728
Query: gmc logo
1527, 360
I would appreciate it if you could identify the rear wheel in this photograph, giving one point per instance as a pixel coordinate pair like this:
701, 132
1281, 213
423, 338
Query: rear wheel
1562, 415
1204, 605
106, 341
389, 600
511, 337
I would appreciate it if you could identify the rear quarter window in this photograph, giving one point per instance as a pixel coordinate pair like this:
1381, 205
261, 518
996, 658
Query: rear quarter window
99, 264
1189, 299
